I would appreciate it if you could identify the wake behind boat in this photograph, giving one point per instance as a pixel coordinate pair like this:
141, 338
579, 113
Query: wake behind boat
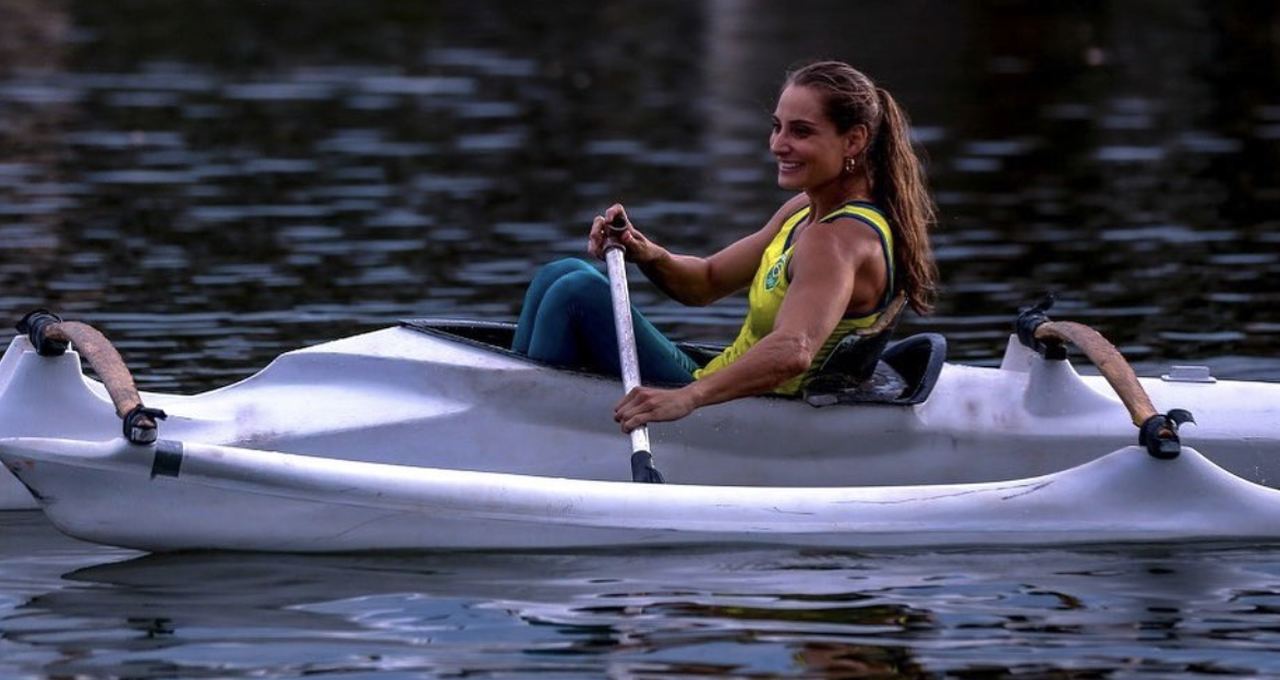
497, 441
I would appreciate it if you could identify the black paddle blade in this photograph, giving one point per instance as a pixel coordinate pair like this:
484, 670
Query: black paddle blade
643, 470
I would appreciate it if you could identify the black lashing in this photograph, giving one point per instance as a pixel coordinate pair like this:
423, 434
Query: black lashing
1159, 434
140, 431
1029, 320
34, 324
168, 459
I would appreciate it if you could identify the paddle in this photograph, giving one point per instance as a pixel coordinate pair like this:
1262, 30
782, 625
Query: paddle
642, 467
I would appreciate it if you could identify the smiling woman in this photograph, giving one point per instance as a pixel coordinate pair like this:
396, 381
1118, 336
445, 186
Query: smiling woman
827, 263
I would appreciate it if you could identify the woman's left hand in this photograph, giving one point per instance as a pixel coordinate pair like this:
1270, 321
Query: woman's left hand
648, 404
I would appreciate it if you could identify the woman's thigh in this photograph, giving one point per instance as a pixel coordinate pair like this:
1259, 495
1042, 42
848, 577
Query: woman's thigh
574, 326
536, 293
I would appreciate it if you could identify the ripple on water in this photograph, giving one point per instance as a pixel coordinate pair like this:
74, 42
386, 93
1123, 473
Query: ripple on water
172, 157
11, 172
119, 140
143, 100
33, 207
1130, 154
1169, 233
309, 232
527, 232
992, 251
279, 166
378, 276
1244, 259
38, 95
372, 102
171, 77
22, 236
370, 143
977, 165
237, 213
1127, 121
451, 234
1206, 336
1201, 142
141, 177
203, 111
357, 191
485, 61
999, 147
418, 85
672, 158
498, 273
282, 91
455, 185
614, 147
398, 219
497, 141
487, 110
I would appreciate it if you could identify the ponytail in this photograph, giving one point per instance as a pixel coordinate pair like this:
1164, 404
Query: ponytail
899, 185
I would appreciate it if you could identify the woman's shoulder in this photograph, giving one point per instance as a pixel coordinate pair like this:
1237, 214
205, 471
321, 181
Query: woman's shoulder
788, 209
794, 205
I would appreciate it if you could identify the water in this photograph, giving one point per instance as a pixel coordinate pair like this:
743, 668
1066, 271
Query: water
215, 183
76, 611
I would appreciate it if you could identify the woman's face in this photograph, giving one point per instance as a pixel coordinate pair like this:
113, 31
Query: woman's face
810, 152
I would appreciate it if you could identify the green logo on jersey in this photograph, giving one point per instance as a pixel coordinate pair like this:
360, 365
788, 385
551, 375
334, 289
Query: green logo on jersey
775, 273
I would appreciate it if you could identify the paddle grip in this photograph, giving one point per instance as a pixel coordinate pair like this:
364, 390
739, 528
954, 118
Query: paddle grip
613, 232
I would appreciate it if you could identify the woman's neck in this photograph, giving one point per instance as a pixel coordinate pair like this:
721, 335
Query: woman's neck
823, 200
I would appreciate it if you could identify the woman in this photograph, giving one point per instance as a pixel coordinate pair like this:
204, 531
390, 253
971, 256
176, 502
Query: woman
826, 263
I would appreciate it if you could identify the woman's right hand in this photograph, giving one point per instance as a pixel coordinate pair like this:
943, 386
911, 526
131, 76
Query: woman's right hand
635, 247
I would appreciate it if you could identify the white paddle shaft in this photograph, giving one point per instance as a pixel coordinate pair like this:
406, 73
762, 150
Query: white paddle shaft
626, 334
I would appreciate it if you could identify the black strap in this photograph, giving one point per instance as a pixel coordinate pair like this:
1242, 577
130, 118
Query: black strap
1159, 434
138, 432
1029, 320
168, 459
34, 324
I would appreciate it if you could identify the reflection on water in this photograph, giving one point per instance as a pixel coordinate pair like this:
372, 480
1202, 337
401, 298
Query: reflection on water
214, 189
748, 613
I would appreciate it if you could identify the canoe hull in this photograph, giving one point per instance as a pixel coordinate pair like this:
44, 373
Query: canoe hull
228, 498
404, 397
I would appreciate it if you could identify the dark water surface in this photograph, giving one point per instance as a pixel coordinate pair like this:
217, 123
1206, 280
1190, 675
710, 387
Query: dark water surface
213, 183
72, 610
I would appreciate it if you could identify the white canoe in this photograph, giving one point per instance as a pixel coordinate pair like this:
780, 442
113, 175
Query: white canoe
440, 404
198, 496
439, 398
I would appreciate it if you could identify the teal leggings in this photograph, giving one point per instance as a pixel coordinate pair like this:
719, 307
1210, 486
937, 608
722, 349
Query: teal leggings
567, 320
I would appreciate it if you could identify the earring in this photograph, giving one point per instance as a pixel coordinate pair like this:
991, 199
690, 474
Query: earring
849, 165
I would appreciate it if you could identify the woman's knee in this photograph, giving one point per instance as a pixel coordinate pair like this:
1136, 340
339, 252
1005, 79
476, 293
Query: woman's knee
553, 271
579, 291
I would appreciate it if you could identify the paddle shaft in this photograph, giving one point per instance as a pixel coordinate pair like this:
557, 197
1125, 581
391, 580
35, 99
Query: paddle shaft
642, 467
625, 331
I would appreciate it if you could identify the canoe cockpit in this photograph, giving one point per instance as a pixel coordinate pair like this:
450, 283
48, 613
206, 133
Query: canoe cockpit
904, 372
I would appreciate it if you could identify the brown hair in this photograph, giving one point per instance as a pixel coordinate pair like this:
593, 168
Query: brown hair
895, 171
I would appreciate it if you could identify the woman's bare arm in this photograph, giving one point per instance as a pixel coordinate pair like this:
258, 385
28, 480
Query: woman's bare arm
693, 280
825, 267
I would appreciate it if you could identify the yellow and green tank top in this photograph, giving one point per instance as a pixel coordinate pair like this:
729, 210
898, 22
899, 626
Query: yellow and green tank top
769, 287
